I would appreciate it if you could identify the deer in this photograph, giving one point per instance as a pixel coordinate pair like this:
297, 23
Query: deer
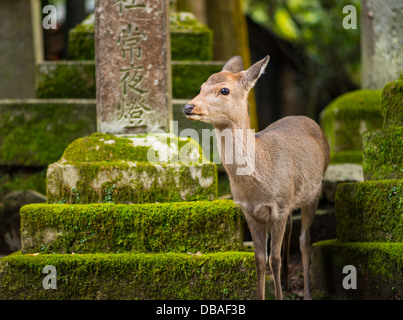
286, 161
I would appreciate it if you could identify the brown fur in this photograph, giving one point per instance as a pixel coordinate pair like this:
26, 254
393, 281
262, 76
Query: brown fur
289, 159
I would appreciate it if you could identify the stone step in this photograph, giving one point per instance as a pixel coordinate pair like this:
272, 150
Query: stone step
190, 40
382, 154
76, 79
348, 116
135, 169
129, 276
379, 269
370, 211
206, 226
36, 132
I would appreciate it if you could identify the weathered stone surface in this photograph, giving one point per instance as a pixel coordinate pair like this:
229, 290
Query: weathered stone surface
206, 226
17, 63
381, 42
143, 168
132, 66
35, 132
348, 116
76, 79
190, 40
379, 269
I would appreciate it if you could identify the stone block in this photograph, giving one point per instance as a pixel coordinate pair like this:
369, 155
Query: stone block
128, 276
81, 42
370, 211
190, 40
76, 79
65, 79
205, 226
348, 116
20, 47
392, 103
379, 269
143, 168
340, 173
383, 154
35, 132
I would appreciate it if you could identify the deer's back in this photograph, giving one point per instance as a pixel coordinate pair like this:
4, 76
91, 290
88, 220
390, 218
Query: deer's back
296, 137
292, 155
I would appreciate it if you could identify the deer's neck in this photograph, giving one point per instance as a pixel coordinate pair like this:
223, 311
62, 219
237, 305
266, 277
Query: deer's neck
236, 142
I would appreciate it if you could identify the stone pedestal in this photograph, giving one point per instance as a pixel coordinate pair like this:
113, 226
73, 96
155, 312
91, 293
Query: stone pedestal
369, 216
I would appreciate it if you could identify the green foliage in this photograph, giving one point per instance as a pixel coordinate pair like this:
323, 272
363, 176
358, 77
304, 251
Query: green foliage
129, 276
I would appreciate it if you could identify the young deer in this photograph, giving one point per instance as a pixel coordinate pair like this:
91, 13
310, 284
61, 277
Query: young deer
288, 160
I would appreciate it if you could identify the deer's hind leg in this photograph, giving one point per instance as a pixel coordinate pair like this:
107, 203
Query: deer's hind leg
307, 216
285, 255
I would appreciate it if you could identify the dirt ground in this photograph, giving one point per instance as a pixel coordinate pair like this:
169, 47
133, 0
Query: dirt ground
295, 289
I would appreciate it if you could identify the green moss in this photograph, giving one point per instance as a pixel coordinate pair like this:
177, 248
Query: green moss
36, 132
128, 276
347, 117
392, 103
81, 45
382, 154
90, 162
370, 211
67, 79
379, 268
190, 40
206, 226
348, 156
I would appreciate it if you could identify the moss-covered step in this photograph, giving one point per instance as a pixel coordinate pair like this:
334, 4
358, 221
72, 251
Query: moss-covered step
379, 269
392, 103
383, 154
76, 79
370, 211
206, 226
348, 116
128, 276
190, 39
139, 169
35, 132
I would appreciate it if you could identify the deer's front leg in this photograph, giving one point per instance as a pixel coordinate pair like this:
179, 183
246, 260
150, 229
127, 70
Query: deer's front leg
277, 228
259, 232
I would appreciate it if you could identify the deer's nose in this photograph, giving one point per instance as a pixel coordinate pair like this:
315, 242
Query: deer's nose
188, 109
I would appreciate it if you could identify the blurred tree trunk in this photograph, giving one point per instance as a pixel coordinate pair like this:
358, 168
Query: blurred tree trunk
228, 22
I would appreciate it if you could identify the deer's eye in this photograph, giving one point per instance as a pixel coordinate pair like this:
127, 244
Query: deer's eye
224, 91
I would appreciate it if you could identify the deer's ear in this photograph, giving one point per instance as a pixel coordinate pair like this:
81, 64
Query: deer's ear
255, 71
234, 65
